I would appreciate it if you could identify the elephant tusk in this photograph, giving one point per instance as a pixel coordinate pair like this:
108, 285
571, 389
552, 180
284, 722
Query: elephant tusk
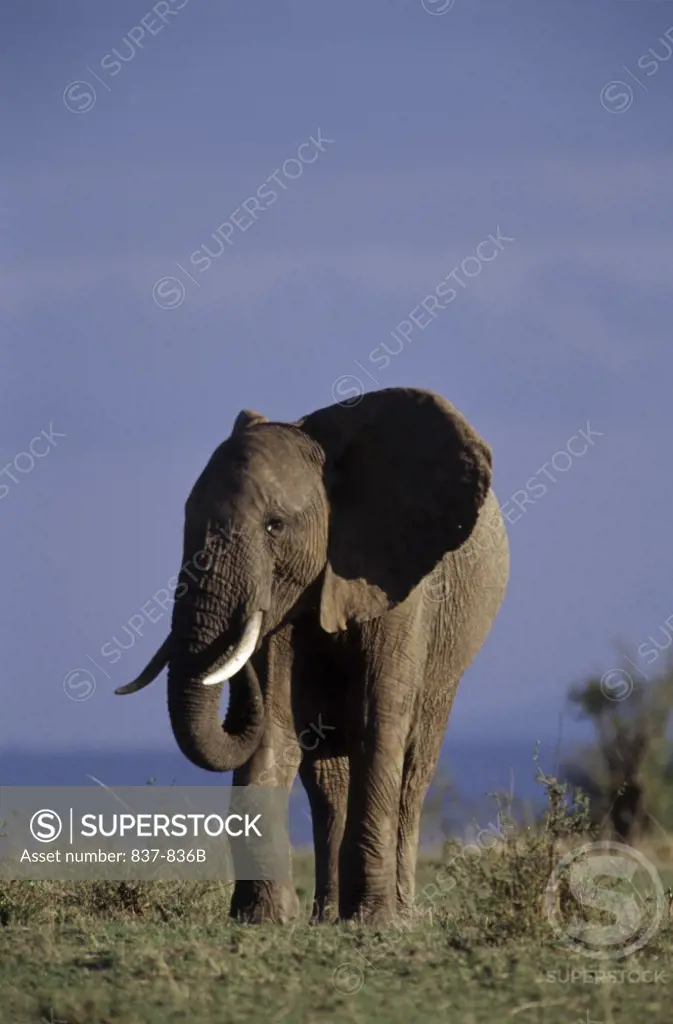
241, 653
151, 671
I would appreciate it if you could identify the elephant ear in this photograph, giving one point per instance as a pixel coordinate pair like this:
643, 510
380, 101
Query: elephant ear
247, 418
406, 476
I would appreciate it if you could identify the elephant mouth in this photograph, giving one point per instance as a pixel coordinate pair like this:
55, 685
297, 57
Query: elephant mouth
216, 663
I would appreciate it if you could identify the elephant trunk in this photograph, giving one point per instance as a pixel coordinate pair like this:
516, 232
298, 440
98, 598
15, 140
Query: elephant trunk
215, 633
195, 719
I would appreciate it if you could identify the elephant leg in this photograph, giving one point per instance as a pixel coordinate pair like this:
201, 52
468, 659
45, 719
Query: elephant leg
411, 804
256, 901
318, 702
275, 764
415, 786
367, 861
376, 738
325, 779
420, 764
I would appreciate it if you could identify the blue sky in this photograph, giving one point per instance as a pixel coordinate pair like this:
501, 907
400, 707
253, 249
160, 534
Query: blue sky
447, 128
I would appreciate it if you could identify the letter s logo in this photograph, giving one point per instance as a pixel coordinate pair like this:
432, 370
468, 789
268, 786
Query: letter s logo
602, 876
45, 826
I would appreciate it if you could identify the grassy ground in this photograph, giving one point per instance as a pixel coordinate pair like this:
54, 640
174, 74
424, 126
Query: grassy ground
478, 945
478, 948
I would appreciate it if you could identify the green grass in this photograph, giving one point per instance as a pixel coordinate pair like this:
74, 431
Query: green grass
478, 950
477, 947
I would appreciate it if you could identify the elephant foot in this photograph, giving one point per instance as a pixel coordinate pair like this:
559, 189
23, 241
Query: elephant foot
325, 911
255, 902
405, 906
371, 912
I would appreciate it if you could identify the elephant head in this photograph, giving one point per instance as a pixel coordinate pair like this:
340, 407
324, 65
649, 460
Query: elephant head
341, 514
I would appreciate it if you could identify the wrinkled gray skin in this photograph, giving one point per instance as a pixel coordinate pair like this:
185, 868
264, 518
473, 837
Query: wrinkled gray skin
369, 538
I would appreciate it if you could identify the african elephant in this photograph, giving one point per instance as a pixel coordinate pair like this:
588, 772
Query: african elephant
356, 561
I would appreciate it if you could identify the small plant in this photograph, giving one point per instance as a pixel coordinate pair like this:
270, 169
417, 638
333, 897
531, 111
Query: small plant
498, 894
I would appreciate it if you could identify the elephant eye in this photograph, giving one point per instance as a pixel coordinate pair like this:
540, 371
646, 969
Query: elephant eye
274, 526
